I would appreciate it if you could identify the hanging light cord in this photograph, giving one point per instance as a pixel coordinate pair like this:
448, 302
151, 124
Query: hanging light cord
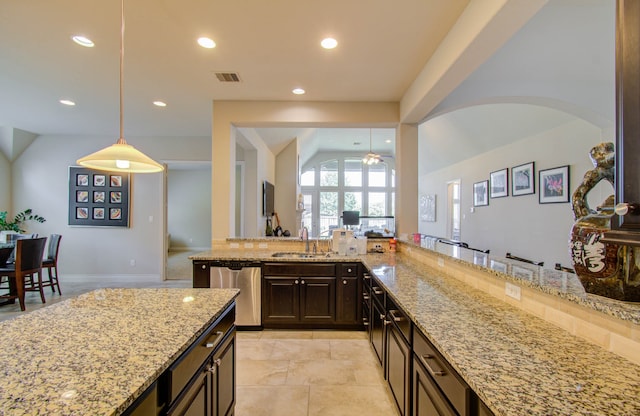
121, 140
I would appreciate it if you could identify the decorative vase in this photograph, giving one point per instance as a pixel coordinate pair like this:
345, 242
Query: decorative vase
604, 269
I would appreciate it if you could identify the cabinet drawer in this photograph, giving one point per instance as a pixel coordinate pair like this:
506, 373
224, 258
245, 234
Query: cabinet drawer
181, 372
348, 270
454, 388
299, 269
377, 292
399, 318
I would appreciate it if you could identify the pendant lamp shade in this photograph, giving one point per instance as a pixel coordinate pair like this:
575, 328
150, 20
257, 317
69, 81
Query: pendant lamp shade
121, 157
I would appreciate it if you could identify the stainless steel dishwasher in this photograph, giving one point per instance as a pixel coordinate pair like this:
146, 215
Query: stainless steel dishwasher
243, 275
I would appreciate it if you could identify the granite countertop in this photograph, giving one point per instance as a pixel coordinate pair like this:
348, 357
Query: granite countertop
517, 364
96, 353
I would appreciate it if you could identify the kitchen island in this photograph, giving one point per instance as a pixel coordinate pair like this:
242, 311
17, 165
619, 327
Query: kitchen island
516, 363
97, 353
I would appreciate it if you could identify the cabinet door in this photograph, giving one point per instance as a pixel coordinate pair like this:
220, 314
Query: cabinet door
201, 273
398, 368
317, 299
281, 300
626, 228
223, 394
377, 330
195, 400
347, 301
427, 398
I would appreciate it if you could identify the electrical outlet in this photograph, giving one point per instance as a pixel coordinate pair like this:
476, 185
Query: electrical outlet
378, 247
513, 291
440, 262
132, 262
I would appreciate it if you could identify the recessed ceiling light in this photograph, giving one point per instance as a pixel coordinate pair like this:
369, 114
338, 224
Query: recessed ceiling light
159, 103
83, 41
67, 102
206, 43
298, 91
329, 43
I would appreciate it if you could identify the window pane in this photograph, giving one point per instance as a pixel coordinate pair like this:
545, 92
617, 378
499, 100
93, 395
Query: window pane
308, 178
328, 211
377, 204
377, 174
353, 172
329, 173
353, 201
393, 178
393, 204
307, 214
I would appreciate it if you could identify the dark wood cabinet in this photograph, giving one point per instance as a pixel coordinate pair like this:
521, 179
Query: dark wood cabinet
222, 370
349, 294
298, 295
398, 355
625, 229
201, 274
377, 326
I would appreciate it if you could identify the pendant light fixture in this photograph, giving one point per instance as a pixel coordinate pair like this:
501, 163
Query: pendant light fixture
371, 158
121, 157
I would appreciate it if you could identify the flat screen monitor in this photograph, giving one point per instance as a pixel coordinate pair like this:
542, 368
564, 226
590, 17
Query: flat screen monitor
350, 217
267, 199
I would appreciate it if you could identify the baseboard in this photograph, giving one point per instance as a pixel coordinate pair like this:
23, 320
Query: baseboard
151, 278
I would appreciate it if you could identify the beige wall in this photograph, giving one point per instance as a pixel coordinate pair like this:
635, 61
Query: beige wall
5, 184
227, 115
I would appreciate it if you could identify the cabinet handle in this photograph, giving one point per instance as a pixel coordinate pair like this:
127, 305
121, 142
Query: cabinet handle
367, 276
212, 344
204, 266
302, 282
382, 316
396, 318
386, 322
297, 282
377, 290
349, 270
212, 369
344, 282
217, 362
365, 323
424, 358
365, 296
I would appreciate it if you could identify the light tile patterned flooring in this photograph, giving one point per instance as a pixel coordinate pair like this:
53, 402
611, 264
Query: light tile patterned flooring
309, 373
283, 373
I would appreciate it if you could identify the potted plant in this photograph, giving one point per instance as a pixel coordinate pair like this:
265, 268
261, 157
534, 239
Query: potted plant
17, 224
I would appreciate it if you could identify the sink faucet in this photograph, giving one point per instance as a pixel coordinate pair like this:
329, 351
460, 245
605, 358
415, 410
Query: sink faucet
305, 238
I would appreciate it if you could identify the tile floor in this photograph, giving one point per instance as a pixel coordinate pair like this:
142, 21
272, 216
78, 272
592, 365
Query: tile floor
284, 373
309, 373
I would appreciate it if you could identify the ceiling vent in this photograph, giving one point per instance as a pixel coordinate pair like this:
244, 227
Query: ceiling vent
227, 77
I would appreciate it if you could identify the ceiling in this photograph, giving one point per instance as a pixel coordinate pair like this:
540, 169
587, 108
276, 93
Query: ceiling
274, 46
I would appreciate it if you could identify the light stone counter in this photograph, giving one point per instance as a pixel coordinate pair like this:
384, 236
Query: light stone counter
96, 353
517, 363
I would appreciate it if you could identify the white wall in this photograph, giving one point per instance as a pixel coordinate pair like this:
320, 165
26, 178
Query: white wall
5, 183
520, 224
189, 208
40, 182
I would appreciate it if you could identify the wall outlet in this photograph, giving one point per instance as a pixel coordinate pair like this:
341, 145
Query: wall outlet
513, 291
132, 262
440, 262
378, 247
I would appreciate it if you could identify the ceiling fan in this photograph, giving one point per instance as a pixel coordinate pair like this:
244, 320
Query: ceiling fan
371, 158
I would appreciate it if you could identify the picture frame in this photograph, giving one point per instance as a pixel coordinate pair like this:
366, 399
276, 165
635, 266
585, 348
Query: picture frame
428, 207
523, 179
481, 194
554, 185
98, 198
499, 183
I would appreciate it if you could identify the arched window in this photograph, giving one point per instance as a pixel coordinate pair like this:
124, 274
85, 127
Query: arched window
331, 184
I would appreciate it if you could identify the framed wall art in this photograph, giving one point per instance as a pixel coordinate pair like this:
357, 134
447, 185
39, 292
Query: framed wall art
499, 183
554, 185
98, 198
481, 194
428, 207
523, 179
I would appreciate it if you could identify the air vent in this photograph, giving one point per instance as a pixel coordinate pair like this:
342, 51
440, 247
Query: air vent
227, 77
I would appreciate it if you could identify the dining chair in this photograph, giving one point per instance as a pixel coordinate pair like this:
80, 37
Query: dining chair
51, 263
29, 252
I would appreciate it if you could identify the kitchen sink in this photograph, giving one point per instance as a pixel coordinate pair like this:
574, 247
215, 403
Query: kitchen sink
300, 255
